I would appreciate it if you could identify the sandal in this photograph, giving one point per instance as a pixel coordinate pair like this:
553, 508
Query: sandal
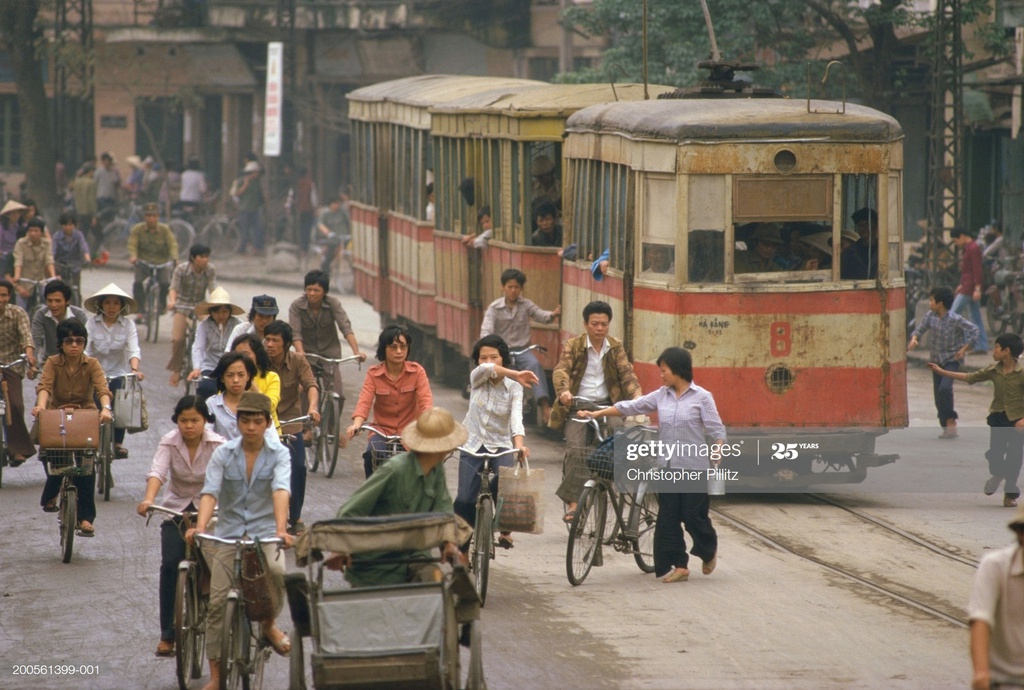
505, 542
51, 507
120, 452
282, 645
569, 517
83, 531
709, 566
165, 648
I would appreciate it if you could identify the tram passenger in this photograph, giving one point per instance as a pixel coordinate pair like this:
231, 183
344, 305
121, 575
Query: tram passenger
72, 378
180, 465
263, 311
254, 508
189, 284
694, 418
484, 228
659, 258
234, 374
411, 482
396, 389
494, 421
549, 230
860, 261
816, 250
509, 317
952, 338
296, 377
114, 342
996, 614
968, 293
1005, 414
218, 319
546, 184
595, 366
760, 258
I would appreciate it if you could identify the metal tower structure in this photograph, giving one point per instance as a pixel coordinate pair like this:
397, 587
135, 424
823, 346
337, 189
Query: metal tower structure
73, 81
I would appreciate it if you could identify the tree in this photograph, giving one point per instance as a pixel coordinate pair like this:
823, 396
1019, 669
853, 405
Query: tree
782, 35
22, 36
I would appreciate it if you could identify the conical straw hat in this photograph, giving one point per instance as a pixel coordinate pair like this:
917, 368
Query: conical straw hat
219, 297
95, 303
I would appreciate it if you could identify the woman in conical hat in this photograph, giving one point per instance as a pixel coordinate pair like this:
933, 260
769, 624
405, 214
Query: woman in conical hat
114, 342
213, 338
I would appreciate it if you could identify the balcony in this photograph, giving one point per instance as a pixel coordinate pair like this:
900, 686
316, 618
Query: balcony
357, 15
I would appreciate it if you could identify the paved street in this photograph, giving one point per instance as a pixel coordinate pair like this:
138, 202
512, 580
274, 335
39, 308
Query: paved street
769, 617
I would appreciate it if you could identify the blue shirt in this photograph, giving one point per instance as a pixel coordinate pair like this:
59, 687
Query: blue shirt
247, 507
949, 333
686, 422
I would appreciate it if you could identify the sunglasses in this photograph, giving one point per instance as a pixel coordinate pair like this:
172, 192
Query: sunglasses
398, 346
74, 340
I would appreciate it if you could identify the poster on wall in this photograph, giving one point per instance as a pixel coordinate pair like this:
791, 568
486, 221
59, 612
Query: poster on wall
272, 109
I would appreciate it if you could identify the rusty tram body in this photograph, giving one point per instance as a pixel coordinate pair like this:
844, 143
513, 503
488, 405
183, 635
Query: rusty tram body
673, 189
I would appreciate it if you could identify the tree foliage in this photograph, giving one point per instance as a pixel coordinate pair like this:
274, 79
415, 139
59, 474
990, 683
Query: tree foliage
783, 36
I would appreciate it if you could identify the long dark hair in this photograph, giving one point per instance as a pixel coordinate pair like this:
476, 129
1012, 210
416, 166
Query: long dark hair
226, 361
262, 358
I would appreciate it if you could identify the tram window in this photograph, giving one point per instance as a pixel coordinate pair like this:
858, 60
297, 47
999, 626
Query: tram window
895, 226
859, 261
706, 256
515, 231
658, 258
492, 168
545, 174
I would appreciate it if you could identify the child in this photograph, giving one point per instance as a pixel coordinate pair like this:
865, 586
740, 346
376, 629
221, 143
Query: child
483, 222
1005, 414
952, 338
494, 420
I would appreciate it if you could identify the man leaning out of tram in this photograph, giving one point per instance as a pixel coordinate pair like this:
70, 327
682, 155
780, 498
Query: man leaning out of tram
411, 482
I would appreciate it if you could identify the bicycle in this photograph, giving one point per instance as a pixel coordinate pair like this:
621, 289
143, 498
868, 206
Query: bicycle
36, 298
243, 649
327, 434
392, 446
68, 463
191, 601
104, 478
151, 306
5, 459
186, 360
632, 530
336, 252
116, 232
529, 409
488, 513
220, 232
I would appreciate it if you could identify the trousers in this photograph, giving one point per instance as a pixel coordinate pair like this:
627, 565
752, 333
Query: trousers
674, 511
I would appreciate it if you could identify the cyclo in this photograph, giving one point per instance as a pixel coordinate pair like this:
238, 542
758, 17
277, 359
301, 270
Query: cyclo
357, 642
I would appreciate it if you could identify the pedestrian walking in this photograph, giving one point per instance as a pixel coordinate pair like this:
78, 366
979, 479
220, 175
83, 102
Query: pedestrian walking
968, 293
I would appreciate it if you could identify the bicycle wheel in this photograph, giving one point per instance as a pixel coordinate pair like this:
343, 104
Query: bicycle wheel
332, 426
115, 239
184, 233
643, 545
585, 534
106, 482
234, 647
260, 653
68, 521
483, 545
185, 626
152, 311
313, 451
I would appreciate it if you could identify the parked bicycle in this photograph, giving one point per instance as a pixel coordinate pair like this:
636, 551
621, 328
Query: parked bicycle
191, 600
633, 517
5, 457
117, 231
243, 650
327, 434
151, 306
488, 514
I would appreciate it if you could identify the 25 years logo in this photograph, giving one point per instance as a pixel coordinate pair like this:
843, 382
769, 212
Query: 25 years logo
790, 451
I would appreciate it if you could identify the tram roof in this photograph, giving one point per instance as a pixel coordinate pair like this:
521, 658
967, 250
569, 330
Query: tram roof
736, 119
545, 100
429, 89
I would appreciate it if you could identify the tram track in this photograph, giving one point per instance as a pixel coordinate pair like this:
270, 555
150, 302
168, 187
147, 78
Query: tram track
886, 560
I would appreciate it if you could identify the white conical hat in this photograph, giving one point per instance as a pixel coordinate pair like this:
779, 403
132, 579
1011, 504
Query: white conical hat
11, 206
218, 298
95, 303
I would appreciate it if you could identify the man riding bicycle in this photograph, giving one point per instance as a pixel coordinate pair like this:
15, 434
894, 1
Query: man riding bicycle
70, 251
189, 284
154, 243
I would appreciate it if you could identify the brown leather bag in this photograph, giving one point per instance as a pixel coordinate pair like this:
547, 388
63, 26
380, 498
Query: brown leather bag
69, 427
262, 598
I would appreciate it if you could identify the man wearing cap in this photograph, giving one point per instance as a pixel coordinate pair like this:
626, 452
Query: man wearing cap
33, 260
760, 258
250, 208
44, 321
15, 340
212, 338
263, 311
189, 285
411, 482
996, 611
152, 242
546, 185
247, 481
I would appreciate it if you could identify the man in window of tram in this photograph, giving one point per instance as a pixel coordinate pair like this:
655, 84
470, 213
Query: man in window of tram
549, 230
996, 612
953, 336
760, 258
546, 184
816, 251
860, 261
593, 366
485, 228
659, 258
968, 293
509, 317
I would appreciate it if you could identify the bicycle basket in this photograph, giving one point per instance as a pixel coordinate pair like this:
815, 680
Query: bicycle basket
601, 460
77, 463
389, 450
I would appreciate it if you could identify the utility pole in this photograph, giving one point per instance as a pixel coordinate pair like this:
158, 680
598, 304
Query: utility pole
73, 82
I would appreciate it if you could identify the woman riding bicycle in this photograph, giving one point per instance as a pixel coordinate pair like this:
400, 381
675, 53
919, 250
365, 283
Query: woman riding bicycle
73, 379
234, 374
180, 464
494, 421
397, 389
212, 338
266, 381
114, 342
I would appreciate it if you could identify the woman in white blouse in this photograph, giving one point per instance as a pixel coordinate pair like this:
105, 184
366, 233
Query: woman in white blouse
114, 341
180, 466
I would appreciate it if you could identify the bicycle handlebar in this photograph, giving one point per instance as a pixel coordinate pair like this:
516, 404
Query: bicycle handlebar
523, 351
160, 509
343, 360
146, 264
17, 362
122, 376
44, 281
499, 454
238, 542
387, 437
286, 422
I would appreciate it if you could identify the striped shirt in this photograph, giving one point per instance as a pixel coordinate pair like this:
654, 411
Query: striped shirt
15, 333
949, 334
191, 287
513, 323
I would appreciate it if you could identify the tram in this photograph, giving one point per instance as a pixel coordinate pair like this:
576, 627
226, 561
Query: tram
680, 191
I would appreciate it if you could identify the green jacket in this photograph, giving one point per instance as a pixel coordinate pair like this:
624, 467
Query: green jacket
572, 363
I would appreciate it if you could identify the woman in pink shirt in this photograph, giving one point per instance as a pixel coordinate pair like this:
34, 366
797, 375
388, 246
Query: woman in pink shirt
179, 465
397, 390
